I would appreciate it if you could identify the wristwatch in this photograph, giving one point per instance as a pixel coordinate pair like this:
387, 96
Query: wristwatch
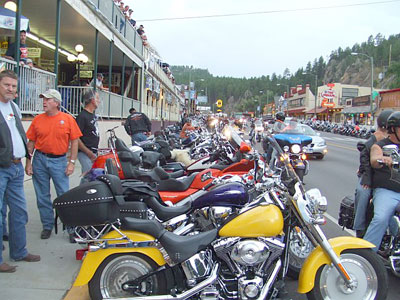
72, 161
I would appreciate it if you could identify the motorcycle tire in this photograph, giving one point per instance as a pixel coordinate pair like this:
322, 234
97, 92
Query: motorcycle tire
119, 268
300, 248
364, 266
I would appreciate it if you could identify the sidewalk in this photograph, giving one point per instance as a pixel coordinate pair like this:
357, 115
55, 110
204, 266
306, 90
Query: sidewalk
52, 277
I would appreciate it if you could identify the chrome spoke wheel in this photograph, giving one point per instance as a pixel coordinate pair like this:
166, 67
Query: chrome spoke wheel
122, 269
365, 286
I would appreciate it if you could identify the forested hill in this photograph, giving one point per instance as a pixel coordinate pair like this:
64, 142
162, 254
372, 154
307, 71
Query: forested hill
241, 94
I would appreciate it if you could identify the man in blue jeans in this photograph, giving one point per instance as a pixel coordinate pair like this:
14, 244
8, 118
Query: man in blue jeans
363, 188
385, 182
13, 148
50, 134
138, 126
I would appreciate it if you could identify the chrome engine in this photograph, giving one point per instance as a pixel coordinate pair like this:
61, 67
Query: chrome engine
248, 265
250, 252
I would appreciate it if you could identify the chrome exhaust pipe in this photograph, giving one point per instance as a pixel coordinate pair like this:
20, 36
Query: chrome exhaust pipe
196, 289
271, 281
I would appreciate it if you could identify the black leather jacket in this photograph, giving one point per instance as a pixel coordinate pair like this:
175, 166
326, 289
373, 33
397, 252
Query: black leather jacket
365, 169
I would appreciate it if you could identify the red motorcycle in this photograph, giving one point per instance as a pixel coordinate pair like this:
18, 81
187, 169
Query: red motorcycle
120, 160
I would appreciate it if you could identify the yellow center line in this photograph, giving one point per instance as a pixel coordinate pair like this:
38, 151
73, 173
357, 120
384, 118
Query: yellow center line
344, 147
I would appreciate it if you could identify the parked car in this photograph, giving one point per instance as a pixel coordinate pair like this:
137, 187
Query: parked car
318, 147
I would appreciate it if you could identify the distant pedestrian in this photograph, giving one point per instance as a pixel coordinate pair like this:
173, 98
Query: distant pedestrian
87, 122
13, 147
50, 134
138, 126
98, 80
23, 50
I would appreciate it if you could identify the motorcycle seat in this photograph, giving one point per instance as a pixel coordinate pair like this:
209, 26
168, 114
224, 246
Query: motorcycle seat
176, 185
151, 227
164, 212
180, 248
219, 167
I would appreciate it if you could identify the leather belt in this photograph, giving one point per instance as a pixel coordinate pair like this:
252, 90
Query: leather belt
51, 155
16, 160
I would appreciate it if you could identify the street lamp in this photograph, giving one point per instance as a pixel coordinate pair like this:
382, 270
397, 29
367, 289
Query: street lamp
287, 95
372, 79
316, 92
80, 59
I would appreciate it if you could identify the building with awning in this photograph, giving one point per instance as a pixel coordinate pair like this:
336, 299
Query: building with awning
7, 22
111, 46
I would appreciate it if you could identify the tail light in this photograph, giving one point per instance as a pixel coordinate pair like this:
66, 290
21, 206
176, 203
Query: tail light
80, 253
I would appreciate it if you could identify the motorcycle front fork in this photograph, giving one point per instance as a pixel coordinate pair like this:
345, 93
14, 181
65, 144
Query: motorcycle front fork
326, 246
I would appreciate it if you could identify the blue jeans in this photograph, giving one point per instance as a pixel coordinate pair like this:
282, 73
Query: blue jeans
45, 168
362, 198
138, 137
385, 202
4, 216
12, 188
86, 165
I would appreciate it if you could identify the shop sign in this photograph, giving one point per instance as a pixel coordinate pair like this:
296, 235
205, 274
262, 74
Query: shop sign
34, 52
85, 74
87, 67
361, 101
328, 94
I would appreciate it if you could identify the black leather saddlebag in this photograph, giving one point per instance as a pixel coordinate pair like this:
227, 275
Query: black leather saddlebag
347, 212
90, 203
134, 209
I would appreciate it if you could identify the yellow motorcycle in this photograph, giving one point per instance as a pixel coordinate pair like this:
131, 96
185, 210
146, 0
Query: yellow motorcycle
245, 258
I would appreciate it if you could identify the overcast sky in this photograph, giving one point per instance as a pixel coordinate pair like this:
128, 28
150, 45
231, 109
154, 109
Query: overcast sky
253, 45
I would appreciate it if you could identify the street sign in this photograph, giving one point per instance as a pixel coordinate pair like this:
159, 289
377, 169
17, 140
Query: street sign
219, 103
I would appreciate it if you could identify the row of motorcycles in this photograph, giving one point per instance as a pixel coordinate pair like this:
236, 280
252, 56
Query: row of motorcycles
232, 227
363, 132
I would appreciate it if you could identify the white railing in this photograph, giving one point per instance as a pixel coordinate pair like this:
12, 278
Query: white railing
111, 105
32, 82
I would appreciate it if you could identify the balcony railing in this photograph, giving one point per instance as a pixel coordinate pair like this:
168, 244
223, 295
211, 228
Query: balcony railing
32, 82
111, 105
114, 15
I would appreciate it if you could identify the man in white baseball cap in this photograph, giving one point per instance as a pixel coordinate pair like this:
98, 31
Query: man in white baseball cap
50, 134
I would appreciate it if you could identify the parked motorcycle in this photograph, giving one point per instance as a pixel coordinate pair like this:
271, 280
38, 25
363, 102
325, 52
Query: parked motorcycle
246, 257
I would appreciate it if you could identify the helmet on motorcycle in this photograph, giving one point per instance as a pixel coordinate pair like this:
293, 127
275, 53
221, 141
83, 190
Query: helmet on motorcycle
393, 121
383, 117
280, 116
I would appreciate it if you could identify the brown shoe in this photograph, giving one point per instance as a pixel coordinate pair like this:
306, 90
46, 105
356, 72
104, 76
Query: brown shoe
6, 268
30, 258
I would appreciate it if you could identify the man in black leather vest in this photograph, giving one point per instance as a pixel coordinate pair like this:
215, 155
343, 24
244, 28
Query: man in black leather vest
386, 184
12, 150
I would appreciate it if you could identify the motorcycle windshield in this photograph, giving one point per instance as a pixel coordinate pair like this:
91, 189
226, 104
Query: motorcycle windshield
292, 133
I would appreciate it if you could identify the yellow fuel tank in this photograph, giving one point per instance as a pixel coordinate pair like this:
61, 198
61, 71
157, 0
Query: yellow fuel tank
261, 221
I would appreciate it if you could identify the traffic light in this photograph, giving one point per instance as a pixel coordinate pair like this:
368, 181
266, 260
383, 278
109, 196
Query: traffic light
361, 115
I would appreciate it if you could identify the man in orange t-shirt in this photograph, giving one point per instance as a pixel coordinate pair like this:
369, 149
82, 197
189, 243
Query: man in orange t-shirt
50, 134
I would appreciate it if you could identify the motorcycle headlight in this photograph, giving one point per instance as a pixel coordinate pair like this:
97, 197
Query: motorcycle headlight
286, 148
295, 149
